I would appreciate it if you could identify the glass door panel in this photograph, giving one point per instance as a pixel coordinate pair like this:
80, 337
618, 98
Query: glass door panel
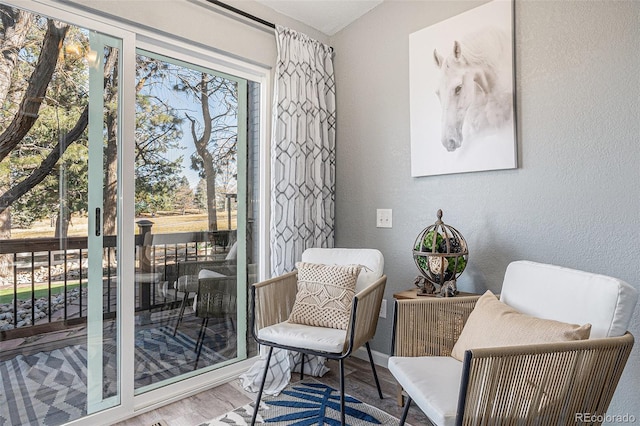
190, 202
58, 260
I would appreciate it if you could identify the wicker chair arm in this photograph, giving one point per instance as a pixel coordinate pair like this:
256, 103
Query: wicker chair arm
429, 326
541, 384
364, 319
274, 299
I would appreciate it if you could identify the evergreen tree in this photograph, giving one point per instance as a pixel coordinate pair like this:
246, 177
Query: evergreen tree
184, 198
201, 195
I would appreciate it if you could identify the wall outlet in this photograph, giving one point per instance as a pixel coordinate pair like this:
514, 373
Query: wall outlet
383, 218
383, 308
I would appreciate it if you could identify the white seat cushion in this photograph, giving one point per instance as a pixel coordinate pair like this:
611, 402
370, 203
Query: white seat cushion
205, 273
433, 384
188, 283
305, 336
571, 296
371, 260
233, 252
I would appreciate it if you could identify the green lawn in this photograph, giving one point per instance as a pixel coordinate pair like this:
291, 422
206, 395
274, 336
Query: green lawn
42, 290
161, 224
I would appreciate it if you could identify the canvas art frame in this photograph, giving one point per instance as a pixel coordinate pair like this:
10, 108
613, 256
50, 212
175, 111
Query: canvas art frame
462, 93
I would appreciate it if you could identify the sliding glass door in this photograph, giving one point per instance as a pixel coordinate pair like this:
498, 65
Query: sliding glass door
190, 182
59, 286
129, 218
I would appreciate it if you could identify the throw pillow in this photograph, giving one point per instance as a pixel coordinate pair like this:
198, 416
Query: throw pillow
493, 323
325, 294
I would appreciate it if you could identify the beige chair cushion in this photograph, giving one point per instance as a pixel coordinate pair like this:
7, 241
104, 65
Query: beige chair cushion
494, 324
325, 294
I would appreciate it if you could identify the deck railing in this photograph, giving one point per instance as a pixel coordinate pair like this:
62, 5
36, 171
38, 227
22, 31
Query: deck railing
46, 285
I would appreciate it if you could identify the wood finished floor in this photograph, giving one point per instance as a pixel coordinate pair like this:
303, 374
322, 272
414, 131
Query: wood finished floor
209, 404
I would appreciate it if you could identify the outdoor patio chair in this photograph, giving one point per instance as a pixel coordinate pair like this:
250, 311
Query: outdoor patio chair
273, 302
480, 360
191, 272
216, 299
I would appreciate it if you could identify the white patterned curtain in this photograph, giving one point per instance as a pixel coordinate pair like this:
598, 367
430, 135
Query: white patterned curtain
303, 162
303, 149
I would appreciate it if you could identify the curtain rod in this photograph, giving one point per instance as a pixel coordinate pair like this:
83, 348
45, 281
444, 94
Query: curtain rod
246, 15
242, 13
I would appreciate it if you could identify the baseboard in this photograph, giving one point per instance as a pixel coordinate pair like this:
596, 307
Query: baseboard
379, 358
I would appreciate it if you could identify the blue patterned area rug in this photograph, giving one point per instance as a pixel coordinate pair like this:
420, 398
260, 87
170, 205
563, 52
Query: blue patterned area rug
307, 402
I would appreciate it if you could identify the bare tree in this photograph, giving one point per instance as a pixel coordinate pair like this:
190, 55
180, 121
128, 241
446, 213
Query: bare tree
217, 132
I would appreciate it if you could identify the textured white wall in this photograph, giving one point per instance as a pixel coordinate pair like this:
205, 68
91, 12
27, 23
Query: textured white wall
574, 200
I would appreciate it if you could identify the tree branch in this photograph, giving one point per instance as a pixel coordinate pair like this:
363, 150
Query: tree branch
38, 82
47, 164
39, 174
16, 24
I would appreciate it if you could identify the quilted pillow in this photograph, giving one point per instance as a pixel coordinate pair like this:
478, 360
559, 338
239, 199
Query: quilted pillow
325, 294
493, 324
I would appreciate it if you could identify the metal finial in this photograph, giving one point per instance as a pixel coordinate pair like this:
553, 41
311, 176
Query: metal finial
439, 214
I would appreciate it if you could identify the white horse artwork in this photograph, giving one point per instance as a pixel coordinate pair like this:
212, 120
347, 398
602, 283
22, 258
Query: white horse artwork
474, 88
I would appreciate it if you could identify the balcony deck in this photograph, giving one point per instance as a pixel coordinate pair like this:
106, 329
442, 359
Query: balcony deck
43, 321
40, 371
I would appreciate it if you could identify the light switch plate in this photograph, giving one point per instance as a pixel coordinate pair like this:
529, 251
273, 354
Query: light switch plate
383, 218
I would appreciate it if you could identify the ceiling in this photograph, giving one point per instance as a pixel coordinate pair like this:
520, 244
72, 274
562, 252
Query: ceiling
327, 16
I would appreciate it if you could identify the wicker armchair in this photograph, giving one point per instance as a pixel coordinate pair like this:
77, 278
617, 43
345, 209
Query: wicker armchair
273, 300
542, 384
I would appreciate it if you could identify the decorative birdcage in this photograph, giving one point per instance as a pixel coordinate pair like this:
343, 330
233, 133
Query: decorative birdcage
441, 254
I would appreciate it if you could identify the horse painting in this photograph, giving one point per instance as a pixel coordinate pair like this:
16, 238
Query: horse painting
475, 88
